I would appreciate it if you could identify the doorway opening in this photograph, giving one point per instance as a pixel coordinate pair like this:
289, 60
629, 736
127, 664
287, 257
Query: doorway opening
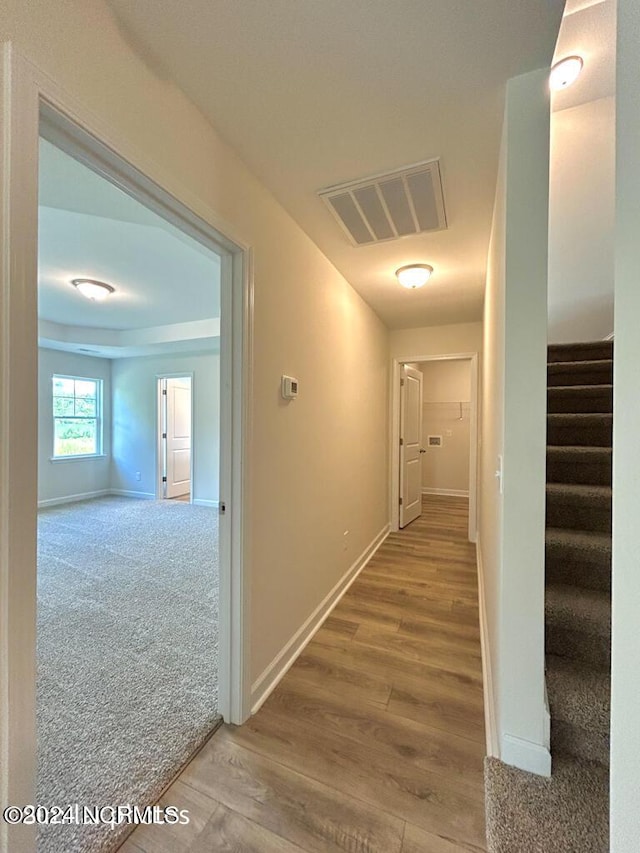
128, 577
433, 433
33, 106
175, 438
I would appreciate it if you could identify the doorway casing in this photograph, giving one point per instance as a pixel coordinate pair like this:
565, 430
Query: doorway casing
394, 455
32, 104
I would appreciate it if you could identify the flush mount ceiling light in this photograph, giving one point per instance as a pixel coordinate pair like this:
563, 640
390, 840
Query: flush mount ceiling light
97, 291
565, 72
414, 275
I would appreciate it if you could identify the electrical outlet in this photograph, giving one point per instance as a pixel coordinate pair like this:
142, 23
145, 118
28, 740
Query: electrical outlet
138, 476
345, 540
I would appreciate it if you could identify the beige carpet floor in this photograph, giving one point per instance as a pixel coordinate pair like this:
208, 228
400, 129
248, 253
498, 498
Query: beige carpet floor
127, 653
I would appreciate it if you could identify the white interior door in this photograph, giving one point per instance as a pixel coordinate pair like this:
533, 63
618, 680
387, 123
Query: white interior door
410, 444
178, 437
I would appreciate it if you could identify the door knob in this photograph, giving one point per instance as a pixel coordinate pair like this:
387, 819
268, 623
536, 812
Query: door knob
422, 450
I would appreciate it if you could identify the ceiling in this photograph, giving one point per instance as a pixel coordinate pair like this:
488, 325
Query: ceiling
588, 30
315, 93
88, 228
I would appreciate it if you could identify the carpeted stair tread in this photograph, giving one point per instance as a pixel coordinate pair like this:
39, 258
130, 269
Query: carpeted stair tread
578, 557
584, 494
577, 608
597, 372
579, 507
566, 813
592, 544
575, 464
580, 429
578, 624
579, 694
580, 398
587, 351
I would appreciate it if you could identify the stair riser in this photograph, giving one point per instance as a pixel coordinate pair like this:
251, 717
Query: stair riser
580, 432
576, 517
581, 374
568, 739
566, 469
585, 352
565, 567
577, 400
579, 574
579, 645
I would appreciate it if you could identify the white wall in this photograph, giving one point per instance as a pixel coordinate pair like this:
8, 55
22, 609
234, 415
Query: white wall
436, 340
581, 222
73, 477
625, 687
511, 539
320, 463
135, 401
446, 412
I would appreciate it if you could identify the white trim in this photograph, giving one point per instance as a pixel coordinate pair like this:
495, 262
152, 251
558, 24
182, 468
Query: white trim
269, 679
77, 458
454, 493
608, 337
69, 499
128, 493
491, 729
394, 417
125, 493
526, 755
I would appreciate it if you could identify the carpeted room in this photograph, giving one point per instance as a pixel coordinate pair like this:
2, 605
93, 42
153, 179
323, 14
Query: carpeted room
128, 568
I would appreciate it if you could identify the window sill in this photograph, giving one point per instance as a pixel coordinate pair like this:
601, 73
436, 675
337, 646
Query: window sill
77, 458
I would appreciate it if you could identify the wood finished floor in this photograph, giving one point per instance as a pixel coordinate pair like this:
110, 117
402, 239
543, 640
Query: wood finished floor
374, 740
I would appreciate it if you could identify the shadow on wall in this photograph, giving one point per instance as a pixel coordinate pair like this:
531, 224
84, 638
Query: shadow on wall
591, 319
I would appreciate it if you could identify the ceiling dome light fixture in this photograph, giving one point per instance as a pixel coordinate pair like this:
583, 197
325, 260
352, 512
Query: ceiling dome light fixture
96, 291
565, 72
414, 275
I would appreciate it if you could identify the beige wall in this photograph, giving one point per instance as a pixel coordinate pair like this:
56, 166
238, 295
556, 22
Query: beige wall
320, 463
581, 222
436, 340
446, 396
511, 540
625, 685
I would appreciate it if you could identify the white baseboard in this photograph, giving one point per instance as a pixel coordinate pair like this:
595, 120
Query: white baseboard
70, 499
491, 729
608, 337
526, 755
126, 493
452, 493
274, 672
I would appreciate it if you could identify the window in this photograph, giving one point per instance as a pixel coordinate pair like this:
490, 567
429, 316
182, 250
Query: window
77, 427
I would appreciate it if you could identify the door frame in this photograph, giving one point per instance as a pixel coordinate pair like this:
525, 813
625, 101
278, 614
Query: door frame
160, 449
394, 454
26, 95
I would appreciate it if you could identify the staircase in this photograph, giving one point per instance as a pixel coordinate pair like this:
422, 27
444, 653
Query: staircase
578, 548
569, 812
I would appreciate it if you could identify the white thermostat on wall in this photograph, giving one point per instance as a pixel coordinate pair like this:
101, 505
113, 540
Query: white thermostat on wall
289, 388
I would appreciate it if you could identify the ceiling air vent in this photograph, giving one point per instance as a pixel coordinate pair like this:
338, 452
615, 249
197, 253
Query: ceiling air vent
385, 207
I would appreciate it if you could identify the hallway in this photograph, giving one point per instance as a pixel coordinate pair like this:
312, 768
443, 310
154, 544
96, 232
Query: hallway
374, 740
